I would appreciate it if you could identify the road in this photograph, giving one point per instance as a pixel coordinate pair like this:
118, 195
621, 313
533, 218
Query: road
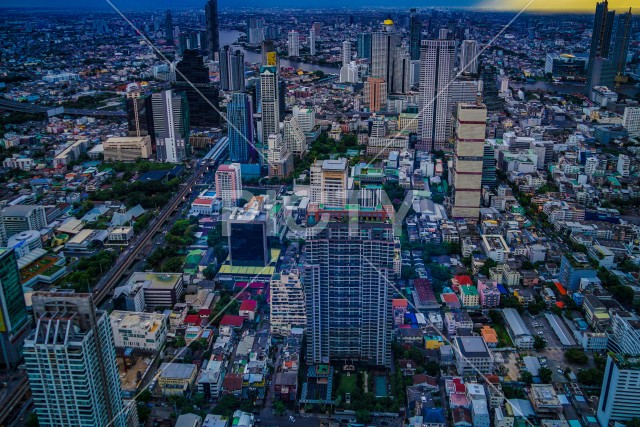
24, 107
143, 245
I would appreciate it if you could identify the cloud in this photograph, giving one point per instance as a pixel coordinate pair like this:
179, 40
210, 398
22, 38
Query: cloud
551, 6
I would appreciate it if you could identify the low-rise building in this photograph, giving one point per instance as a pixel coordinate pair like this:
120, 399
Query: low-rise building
127, 148
140, 331
516, 328
176, 379
472, 355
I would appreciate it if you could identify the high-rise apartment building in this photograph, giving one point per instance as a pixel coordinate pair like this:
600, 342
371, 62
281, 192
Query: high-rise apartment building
471, 123
624, 165
631, 120
139, 113
312, 42
70, 359
436, 73
347, 287
269, 103
256, 31
415, 35
621, 43
468, 57
228, 180
13, 312
375, 94
192, 78
620, 392
329, 182
279, 157
293, 44
306, 118
293, 137
231, 69
241, 130
286, 302
213, 31
171, 125
346, 52
364, 45
18, 218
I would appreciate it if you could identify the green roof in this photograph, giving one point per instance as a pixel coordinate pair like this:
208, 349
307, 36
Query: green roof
468, 290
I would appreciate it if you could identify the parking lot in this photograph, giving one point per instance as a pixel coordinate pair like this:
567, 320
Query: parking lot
539, 326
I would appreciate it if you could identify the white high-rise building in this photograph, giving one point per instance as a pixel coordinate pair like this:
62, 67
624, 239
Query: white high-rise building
294, 43
346, 52
591, 165
631, 120
70, 359
171, 125
306, 118
229, 184
468, 57
329, 182
279, 157
624, 165
269, 100
349, 73
286, 302
620, 392
436, 73
293, 137
312, 41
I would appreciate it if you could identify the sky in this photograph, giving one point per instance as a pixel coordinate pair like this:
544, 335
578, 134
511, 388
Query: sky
536, 5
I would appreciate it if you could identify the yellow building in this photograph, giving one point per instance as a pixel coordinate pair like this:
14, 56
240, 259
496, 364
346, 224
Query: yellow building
433, 342
176, 378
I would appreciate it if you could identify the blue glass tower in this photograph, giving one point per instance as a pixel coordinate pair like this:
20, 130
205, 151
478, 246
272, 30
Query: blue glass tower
241, 134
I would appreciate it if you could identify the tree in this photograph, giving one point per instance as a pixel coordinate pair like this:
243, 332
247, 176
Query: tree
279, 407
526, 377
363, 416
539, 343
591, 376
575, 355
634, 422
488, 264
545, 375
32, 420
226, 406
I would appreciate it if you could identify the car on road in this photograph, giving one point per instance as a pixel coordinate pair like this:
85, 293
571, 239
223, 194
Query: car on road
291, 419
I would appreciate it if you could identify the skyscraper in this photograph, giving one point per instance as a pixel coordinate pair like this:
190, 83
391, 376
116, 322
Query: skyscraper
248, 231
600, 67
171, 125
139, 113
620, 392
193, 79
231, 69
329, 182
375, 94
293, 45
415, 35
71, 361
268, 52
436, 73
293, 137
347, 272
346, 52
14, 322
312, 42
489, 166
468, 57
168, 28
228, 180
279, 157
621, 43
364, 46
269, 103
213, 32
241, 131
385, 46
471, 123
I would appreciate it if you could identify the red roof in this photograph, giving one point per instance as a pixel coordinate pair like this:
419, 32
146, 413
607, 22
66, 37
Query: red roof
232, 320
560, 288
399, 302
252, 285
248, 305
232, 382
463, 280
449, 298
192, 319
200, 201
560, 304
204, 312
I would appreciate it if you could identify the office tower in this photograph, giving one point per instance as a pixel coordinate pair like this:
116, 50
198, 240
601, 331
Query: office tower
631, 120
488, 167
139, 113
348, 270
317, 27
279, 157
385, 51
468, 57
13, 312
599, 67
247, 229
621, 43
402, 71
620, 392
269, 102
203, 37
306, 118
19, 218
375, 94
624, 165
228, 180
241, 131
349, 73
268, 53
436, 73
293, 137
168, 28
329, 182
183, 43
364, 46
171, 125
600, 73
471, 123
293, 45
192, 78
312, 42
346, 52
70, 359
231, 69
256, 31
213, 31
286, 302
415, 36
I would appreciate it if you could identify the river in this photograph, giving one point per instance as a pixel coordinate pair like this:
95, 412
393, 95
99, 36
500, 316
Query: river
567, 88
230, 37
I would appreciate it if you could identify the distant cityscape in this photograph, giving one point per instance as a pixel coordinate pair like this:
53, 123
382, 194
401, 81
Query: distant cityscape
320, 217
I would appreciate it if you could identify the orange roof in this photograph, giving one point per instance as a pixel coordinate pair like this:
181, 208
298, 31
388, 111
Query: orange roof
399, 302
489, 334
560, 288
200, 201
559, 304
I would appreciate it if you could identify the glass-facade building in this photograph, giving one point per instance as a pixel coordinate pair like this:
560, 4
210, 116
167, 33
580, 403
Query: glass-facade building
14, 322
241, 131
192, 78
